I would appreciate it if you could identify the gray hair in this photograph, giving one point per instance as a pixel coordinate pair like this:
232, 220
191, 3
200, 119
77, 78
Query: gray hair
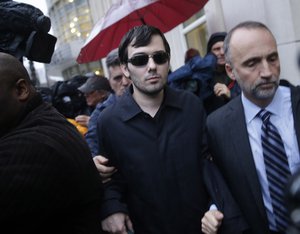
245, 25
112, 58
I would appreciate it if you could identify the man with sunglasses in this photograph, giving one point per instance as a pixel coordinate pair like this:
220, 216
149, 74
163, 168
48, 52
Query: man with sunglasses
154, 136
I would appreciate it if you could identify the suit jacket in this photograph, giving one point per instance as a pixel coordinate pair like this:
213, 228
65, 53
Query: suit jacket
233, 222
230, 147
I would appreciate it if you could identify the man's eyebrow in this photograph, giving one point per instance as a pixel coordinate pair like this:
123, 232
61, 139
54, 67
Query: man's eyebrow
139, 53
252, 59
257, 58
275, 53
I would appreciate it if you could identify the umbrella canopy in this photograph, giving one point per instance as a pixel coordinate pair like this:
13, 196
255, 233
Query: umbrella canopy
121, 17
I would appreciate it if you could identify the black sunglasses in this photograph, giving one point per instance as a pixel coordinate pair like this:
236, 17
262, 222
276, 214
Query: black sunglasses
140, 60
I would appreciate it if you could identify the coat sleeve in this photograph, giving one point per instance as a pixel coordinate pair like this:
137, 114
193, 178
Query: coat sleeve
233, 221
114, 190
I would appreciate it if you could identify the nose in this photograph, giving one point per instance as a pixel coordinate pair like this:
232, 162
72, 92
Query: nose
222, 51
125, 81
151, 63
265, 70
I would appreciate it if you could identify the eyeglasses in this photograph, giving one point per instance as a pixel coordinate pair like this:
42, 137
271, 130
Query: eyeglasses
141, 60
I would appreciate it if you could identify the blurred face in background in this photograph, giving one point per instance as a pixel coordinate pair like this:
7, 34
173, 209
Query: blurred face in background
94, 97
217, 49
117, 80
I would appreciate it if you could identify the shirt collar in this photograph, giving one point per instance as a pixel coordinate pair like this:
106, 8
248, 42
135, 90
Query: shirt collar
129, 107
277, 104
274, 107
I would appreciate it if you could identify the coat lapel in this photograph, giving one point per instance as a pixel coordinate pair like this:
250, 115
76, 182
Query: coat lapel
242, 150
295, 96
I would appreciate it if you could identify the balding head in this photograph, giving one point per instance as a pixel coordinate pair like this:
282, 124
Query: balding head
11, 69
15, 91
246, 25
252, 60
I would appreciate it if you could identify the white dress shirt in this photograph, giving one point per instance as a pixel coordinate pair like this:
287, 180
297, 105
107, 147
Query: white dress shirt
282, 118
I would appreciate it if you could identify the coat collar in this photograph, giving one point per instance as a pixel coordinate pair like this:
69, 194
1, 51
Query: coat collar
295, 98
129, 108
242, 149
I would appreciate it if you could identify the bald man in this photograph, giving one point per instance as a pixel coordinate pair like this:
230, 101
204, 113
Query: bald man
256, 153
48, 181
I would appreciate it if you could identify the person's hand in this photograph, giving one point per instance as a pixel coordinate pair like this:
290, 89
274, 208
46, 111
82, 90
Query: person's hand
211, 221
222, 90
117, 223
104, 171
83, 120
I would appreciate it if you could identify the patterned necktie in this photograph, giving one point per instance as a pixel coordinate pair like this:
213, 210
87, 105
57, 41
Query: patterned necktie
277, 168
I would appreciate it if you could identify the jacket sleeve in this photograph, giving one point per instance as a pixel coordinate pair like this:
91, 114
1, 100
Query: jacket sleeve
112, 202
91, 136
115, 189
234, 221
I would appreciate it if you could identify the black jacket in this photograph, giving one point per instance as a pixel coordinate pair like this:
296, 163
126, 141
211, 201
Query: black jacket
48, 181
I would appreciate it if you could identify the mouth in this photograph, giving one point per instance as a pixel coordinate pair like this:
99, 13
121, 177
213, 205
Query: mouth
268, 85
221, 60
153, 78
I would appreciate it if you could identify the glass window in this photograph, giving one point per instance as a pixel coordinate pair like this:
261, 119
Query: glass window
85, 27
197, 38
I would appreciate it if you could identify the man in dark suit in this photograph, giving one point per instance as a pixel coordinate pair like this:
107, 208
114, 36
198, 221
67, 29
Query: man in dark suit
48, 181
156, 144
236, 136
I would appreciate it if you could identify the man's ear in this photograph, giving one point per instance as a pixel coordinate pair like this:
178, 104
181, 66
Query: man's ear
124, 69
229, 71
22, 90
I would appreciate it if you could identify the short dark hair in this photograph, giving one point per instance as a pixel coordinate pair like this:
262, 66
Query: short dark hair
141, 35
246, 25
190, 53
112, 58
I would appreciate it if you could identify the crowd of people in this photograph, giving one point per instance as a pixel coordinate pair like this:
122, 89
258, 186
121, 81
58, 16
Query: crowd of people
154, 158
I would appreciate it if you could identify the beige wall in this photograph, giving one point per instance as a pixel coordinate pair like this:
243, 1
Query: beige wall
178, 47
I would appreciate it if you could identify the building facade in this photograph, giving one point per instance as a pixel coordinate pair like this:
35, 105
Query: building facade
71, 24
72, 20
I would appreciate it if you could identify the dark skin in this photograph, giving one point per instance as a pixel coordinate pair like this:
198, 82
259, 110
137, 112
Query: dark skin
15, 92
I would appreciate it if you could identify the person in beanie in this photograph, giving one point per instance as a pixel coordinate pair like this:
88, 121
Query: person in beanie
224, 89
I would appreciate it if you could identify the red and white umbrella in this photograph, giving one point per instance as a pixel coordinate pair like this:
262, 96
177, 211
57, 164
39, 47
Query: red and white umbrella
124, 15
